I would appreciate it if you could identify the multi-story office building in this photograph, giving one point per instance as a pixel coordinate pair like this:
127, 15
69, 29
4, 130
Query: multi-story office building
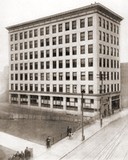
53, 59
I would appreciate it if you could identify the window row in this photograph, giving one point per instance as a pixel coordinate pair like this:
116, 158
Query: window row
108, 25
106, 37
48, 41
51, 30
65, 88
52, 88
52, 76
108, 63
103, 49
51, 53
74, 63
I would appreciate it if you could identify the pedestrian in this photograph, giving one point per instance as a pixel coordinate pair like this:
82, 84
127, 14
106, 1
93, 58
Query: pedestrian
48, 141
27, 154
21, 155
70, 133
68, 129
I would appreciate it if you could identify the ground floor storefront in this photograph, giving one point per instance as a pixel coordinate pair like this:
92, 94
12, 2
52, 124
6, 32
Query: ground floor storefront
70, 103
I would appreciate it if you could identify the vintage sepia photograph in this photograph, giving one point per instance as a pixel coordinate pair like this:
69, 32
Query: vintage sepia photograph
63, 80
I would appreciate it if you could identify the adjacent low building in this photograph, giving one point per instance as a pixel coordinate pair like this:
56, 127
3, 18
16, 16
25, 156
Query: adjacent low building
56, 59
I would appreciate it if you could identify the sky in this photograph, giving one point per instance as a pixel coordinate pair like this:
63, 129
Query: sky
17, 11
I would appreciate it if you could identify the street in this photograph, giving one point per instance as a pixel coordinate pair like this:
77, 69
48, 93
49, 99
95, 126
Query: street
110, 143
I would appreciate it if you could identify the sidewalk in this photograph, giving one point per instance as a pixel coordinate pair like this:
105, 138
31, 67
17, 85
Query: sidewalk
63, 147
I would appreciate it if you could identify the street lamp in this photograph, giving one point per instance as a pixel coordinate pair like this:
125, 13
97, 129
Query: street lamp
83, 137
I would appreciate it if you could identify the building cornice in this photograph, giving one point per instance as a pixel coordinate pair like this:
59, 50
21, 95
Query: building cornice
93, 8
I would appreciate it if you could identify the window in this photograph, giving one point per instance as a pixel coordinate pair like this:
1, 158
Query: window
67, 39
74, 75
103, 36
54, 88
36, 54
90, 21
47, 76
54, 52
82, 75
47, 88
60, 27
25, 55
73, 24
107, 25
60, 40
25, 45
16, 57
107, 50
67, 75
74, 63
82, 62
16, 66
30, 34
16, 47
67, 88
103, 23
31, 44
100, 22
82, 23
54, 29
67, 64
42, 76
54, 40
30, 55
60, 52
90, 35
47, 53
54, 64
47, 30
82, 49
21, 66
67, 26
47, 42
21, 56
47, 65
90, 48
74, 38
35, 43
107, 37
41, 42
100, 62
60, 76
60, 88
16, 37
111, 26
21, 36
42, 54
21, 46
67, 51
25, 66
82, 36
36, 76
60, 64
35, 32
74, 50
90, 62
36, 65
100, 35
74, 88
90, 76
90, 89
54, 77
41, 31
83, 88
104, 49
11, 37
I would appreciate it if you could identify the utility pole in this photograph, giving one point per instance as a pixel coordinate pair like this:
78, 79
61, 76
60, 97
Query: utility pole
101, 76
83, 137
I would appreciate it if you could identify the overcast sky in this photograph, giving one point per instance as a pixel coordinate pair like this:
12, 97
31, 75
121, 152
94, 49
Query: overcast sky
18, 11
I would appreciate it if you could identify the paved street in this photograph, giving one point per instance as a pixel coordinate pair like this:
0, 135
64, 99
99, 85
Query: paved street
110, 142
